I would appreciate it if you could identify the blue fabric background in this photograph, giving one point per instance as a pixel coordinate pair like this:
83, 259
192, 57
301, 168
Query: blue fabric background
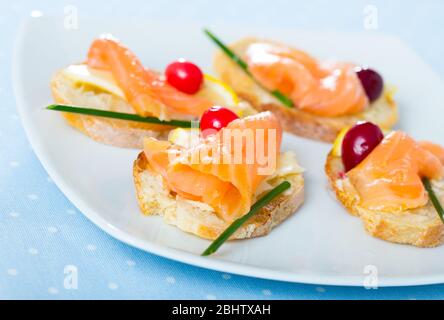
41, 232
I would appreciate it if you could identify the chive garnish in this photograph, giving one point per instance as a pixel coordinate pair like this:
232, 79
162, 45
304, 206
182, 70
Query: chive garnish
239, 222
241, 63
433, 198
282, 98
118, 115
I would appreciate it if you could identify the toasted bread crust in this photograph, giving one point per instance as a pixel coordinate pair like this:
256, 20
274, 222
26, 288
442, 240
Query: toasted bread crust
205, 223
382, 112
420, 227
119, 133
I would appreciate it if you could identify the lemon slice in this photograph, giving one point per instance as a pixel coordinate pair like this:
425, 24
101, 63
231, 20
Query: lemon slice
337, 144
389, 93
219, 93
102, 80
184, 137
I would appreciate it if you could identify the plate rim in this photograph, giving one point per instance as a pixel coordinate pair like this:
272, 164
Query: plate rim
172, 253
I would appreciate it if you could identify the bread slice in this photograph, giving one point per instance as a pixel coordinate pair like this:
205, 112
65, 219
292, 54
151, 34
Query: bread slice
382, 112
119, 133
420, 227
199, 218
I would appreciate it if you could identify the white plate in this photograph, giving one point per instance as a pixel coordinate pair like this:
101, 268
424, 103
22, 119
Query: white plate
320, 244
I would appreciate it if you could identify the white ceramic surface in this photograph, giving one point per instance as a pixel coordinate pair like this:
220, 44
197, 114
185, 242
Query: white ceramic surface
320, 244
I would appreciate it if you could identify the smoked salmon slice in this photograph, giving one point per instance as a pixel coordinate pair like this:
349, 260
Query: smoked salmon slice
223, 170
434, 148
145, 90
389, 178
325, 89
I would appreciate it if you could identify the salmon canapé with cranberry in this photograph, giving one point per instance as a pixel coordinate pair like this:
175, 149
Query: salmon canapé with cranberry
394, 183
313, 98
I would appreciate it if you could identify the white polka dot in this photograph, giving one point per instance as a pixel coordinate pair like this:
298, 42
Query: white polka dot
266, 292
91, 247
12, 272
33, 196
320, 289
33, 251
211, 297
52, 229
14, 214
170, 280
226, 276
53, 290
112, 286
70, 211
131, 263
14, 164
36, 13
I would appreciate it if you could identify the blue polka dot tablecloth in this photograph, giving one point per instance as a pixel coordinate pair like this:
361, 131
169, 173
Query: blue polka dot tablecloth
44, 238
